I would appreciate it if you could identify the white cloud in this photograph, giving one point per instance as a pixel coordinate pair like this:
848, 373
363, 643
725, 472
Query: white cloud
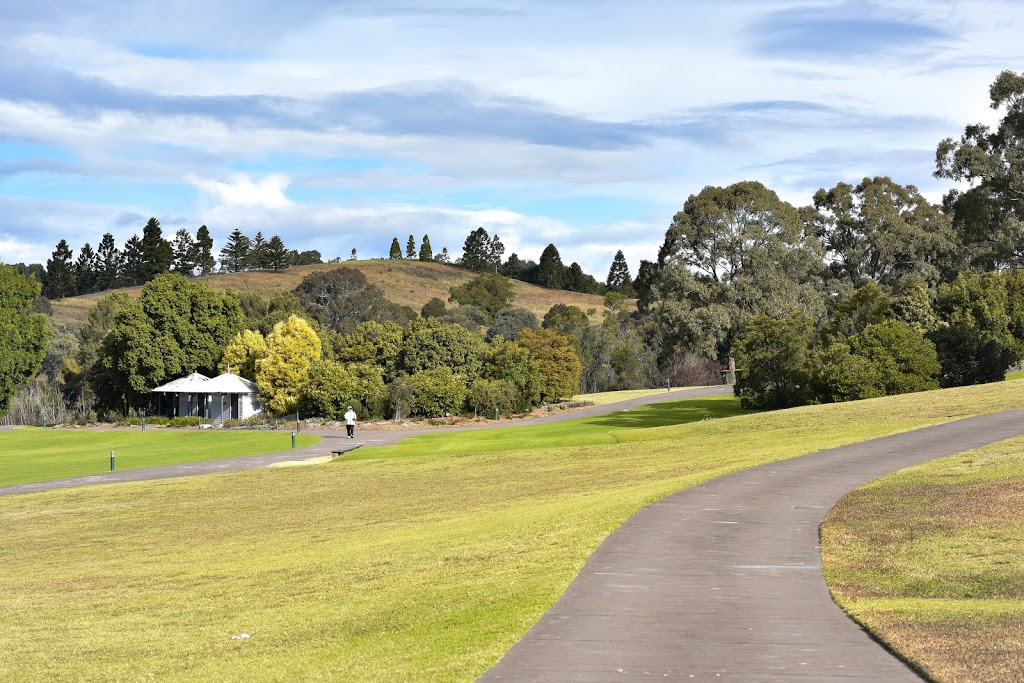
241, 190
651, 61
16, 250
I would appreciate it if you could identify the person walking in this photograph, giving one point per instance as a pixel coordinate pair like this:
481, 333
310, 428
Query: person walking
350, 422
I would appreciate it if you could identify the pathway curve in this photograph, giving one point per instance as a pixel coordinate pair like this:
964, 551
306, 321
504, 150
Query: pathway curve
723, 581
333, 441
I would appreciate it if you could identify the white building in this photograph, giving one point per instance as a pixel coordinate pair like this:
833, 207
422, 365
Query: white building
224, 397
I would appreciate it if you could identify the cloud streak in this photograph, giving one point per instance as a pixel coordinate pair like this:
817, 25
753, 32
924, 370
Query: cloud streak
343, 124
850, 30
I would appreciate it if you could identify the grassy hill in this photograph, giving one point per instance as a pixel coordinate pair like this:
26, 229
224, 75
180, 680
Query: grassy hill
409, 283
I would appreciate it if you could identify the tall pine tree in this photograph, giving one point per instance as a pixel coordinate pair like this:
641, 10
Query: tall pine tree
426, 253
258, 252
235, 254
204, 258
278, 255
183, 253
60, 272
619, 279
85, 270
410, 248
396, 250
132, 270
156, 251
108, 263
551, 271
495, 252
481, 252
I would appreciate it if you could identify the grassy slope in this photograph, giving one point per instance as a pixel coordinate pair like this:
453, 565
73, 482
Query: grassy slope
409, 283
606, 397
592, 431
28, 455
424, 567
929, 560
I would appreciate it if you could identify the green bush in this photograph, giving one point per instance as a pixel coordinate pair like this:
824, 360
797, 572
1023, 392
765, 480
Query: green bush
775, 362
514, 364
186, 421
490, 396
438, 392
971, 356
331, 388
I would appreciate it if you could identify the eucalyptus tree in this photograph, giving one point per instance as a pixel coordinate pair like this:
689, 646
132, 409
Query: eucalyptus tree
882, 232
731, 253
989, 215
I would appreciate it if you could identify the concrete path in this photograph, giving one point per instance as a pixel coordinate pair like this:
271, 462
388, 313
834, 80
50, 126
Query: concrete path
723, 582
335, 440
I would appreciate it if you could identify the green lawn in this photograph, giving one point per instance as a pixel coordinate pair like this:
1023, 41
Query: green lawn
1019, 374
605, 397
31, 454
929, 560
603, 429
422, 567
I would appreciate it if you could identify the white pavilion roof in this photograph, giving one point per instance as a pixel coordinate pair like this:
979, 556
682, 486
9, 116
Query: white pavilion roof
229, 383
186, 385
197, 383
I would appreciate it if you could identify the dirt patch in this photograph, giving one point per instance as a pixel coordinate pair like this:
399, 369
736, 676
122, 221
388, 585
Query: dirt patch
989, 649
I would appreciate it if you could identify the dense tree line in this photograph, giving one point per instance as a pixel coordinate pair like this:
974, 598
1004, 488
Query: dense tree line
143, 258
332, 342
482, 253
869, 291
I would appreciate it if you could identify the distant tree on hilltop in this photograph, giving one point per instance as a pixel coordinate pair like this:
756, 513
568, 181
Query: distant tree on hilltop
481, 252
235, 253
426, 253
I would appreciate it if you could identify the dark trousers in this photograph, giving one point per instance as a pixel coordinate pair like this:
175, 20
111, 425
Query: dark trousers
350, 429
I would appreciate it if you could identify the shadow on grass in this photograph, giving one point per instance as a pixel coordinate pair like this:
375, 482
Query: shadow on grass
577, 432
668, 413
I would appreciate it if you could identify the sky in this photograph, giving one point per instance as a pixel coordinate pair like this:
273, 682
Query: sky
583, 123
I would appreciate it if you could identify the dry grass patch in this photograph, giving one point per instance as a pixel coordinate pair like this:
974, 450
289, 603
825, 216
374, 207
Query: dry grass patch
606, 397
929, 560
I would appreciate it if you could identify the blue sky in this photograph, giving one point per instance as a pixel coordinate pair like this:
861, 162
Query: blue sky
586, 123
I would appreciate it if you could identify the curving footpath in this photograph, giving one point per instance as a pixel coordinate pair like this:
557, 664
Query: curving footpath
723, 581
335, 442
